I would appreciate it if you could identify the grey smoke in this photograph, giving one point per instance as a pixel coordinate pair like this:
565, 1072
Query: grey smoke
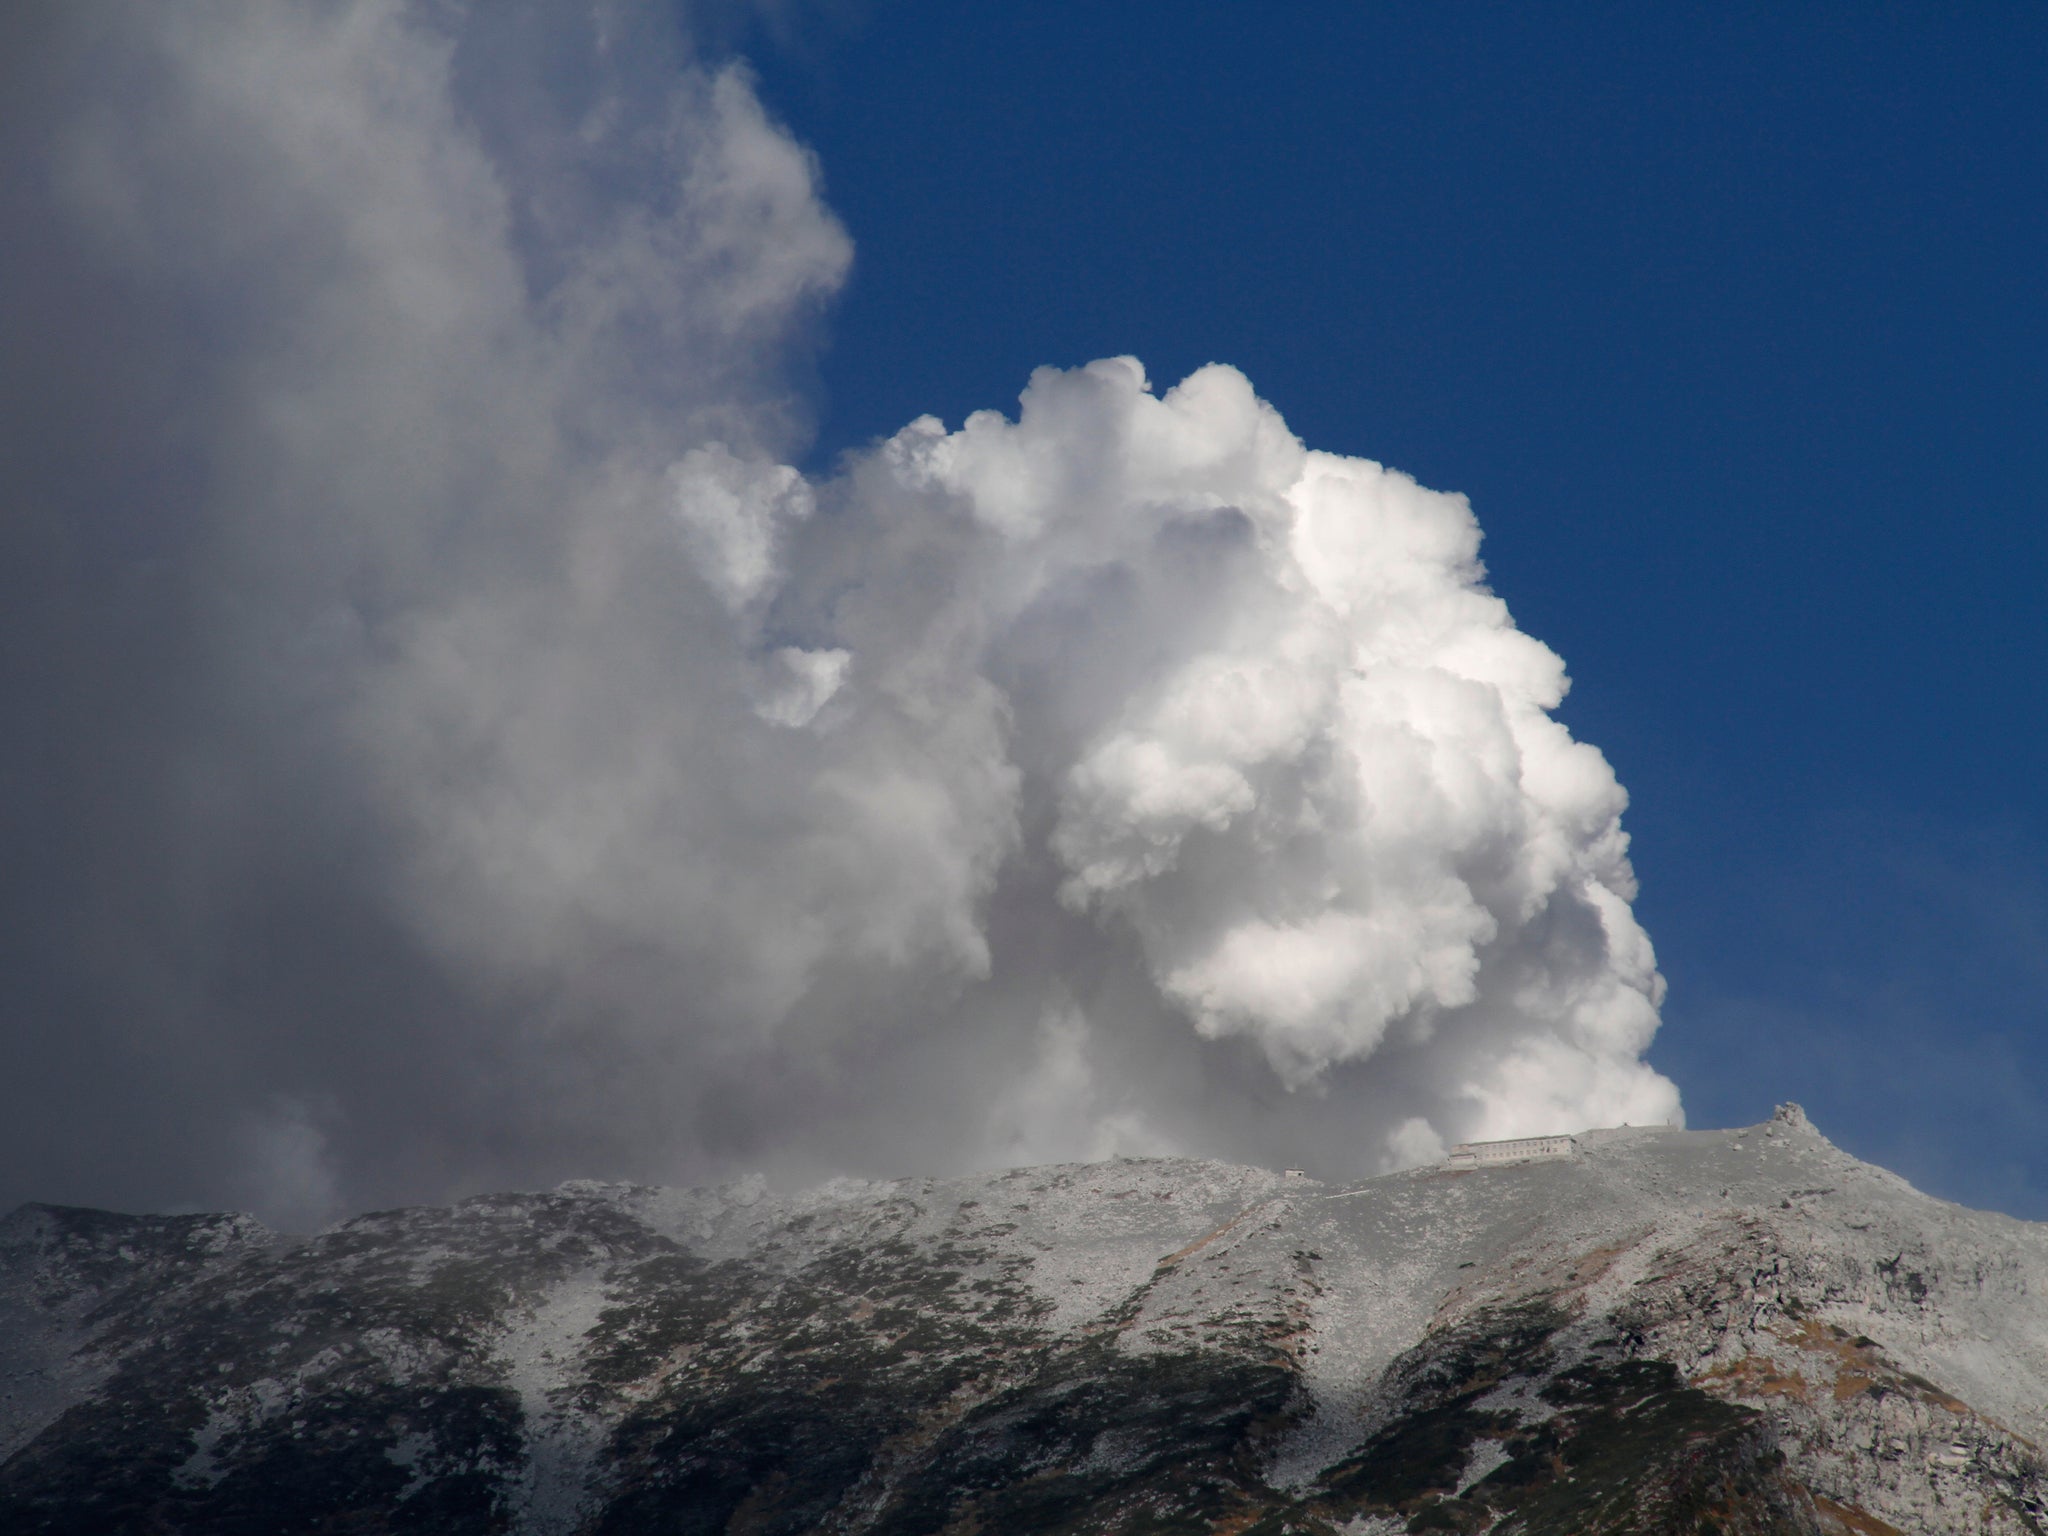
447, 747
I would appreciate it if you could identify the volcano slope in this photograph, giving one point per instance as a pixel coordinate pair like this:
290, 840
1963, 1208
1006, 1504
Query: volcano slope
1724, 1332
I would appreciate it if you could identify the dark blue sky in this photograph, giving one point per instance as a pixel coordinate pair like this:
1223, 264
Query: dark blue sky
1731, 324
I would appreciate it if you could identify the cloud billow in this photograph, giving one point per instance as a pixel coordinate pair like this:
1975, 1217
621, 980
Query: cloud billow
453, 748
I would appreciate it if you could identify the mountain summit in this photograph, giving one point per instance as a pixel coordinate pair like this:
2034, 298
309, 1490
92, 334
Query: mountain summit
1637, 1330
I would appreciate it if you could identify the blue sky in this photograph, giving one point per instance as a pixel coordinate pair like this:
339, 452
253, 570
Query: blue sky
1729, 320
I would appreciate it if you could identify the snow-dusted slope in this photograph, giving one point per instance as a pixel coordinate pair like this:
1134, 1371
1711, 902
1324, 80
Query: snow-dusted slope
1734, 1331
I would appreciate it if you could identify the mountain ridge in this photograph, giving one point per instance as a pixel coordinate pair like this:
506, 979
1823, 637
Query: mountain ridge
1723, 1331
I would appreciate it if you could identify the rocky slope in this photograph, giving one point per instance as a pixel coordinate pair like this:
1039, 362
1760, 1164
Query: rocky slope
1723, 1332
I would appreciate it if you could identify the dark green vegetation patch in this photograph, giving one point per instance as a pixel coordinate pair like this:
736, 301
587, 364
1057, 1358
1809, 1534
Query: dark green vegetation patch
1605, 1444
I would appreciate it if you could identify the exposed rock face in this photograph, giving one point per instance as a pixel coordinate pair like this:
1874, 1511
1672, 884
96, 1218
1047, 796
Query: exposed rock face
1725, 1332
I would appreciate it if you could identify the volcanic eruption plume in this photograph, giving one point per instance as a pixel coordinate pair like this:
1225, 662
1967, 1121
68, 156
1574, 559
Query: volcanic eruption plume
452, 746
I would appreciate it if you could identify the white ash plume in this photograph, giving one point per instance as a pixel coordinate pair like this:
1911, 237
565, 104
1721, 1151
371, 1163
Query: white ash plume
436, 699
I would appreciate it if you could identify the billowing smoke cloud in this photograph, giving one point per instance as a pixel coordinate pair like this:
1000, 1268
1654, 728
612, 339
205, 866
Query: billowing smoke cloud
448, 746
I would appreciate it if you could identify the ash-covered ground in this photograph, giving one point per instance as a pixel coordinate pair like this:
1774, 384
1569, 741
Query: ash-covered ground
1718, 1331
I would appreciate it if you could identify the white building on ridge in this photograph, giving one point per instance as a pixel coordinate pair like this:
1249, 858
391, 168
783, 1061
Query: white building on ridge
1480, 1154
